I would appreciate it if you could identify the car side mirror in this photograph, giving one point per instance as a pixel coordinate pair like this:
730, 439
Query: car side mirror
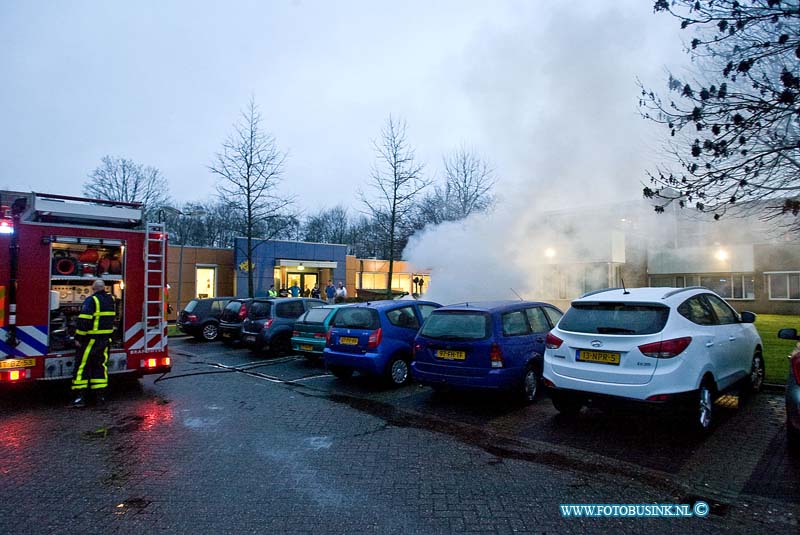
748, 317
788, 334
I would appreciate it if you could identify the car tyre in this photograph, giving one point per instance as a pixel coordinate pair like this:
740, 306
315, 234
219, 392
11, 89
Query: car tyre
792, 438
755, 380
398, 371
529, 390
210, 332
701, 414
341, 372
566, 404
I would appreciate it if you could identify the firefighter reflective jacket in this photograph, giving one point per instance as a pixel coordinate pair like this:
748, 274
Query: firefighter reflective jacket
97, 316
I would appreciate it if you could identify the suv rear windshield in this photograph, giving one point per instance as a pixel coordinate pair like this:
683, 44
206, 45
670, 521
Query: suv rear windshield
191, 305
457, 325
231, 311
357, 318
317, 315
260, 309
615, 318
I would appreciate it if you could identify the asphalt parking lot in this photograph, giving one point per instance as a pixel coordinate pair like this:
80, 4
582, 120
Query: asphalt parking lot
230, 442
750, 438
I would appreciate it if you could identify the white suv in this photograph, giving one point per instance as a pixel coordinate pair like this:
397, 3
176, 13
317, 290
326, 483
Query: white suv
657, 345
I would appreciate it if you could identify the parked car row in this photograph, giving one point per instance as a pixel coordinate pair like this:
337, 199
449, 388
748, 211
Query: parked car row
675, 347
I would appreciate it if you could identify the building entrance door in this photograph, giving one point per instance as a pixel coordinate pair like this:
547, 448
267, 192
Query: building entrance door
304, 280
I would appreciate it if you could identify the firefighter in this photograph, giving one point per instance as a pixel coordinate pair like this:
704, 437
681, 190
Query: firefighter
93, 337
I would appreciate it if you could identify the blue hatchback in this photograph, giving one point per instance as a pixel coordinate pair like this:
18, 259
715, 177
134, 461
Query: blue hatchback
485, 345
375, 338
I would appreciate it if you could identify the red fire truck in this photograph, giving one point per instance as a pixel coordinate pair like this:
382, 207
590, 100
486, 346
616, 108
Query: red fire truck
52, 247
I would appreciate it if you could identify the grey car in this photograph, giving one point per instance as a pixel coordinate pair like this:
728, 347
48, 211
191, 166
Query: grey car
792, 391
270, 321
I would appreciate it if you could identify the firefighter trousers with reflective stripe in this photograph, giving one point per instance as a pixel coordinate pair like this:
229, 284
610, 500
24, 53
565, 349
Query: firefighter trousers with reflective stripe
90, 363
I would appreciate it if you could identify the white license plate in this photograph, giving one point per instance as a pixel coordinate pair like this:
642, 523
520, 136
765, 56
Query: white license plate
250, 338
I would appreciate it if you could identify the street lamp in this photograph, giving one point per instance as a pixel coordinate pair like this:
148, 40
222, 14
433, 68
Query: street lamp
182, 232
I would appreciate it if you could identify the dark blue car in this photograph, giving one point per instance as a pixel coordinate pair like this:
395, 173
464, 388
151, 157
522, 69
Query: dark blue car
375, 338
485, 345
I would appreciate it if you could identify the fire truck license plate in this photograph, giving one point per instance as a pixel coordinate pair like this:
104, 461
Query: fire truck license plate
17, 363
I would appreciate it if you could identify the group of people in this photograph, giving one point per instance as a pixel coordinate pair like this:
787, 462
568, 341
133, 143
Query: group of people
333, 294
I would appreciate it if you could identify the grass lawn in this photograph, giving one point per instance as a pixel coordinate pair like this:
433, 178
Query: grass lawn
172, 330
775, 349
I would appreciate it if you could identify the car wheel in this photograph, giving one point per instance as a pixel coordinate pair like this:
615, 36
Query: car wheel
281, 345
756, 378
702, 414
342, 372
530, 385
566, 404
210, 332
398, 371
792, 438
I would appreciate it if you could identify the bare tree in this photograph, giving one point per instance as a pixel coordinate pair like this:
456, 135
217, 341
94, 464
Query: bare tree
121, 179
469, 182
250, 168
330, 225
397, 181
735, 131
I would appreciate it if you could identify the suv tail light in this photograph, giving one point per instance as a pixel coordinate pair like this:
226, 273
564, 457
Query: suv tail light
374, 339
496, 356
242, 312
795, 365
666, 348
552, 341
267, 324
191, 317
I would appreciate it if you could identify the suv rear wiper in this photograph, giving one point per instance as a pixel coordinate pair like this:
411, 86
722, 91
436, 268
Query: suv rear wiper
615, 330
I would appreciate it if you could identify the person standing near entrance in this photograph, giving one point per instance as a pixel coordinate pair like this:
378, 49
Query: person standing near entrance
295, 289
341, 293
93, 336
272, 292
330, 292
315, 291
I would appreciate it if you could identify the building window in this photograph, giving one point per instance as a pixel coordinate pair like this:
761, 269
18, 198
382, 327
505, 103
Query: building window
373, 281
729, 286
784, 286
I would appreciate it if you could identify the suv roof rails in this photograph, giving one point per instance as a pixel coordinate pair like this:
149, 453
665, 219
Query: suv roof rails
679, 290
595, 292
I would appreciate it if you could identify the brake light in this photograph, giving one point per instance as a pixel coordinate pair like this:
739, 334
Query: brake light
496, 356
795, 364
374, 339
191, 317
267, 324
242, 312
659, 397
155, 363
151, 363
13, 375
328, 336
6, 227
552, 341
321, 335
167, 361
666, 348
295, 333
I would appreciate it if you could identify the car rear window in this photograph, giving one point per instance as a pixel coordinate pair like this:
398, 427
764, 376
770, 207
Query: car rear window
191, 305
260, 309
615, 318
457, 325
290, 309
317, 315
357, 318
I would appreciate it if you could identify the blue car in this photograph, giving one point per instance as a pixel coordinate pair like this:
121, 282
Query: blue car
375, 338
485, 345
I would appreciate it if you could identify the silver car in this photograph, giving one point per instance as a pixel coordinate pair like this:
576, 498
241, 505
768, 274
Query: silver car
792, 392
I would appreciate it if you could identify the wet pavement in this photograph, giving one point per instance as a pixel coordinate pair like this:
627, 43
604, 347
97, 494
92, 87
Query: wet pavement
233, 443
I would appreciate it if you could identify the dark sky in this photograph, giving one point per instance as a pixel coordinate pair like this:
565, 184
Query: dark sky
545, 90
